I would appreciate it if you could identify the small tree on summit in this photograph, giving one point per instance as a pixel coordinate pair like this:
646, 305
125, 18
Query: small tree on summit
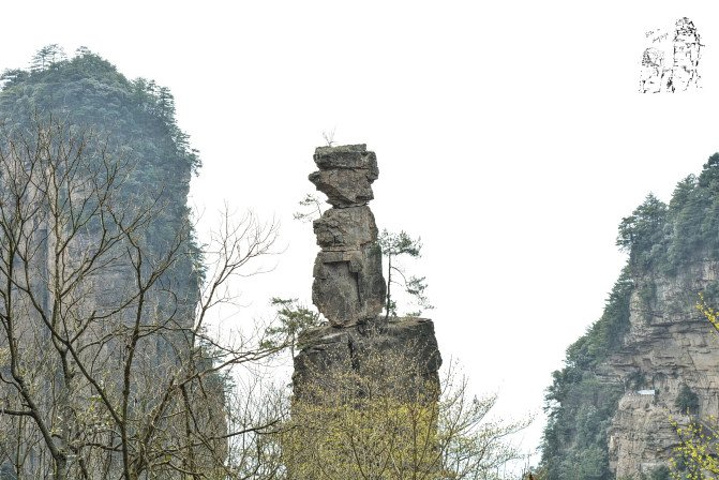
46, 57
642, 233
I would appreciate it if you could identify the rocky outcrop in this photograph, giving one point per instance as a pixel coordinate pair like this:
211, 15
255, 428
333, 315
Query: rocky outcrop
670, 348
349, 290
404, 350
348, 286
345, 175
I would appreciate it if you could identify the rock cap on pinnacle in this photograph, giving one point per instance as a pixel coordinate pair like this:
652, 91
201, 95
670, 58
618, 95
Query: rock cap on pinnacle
345, 174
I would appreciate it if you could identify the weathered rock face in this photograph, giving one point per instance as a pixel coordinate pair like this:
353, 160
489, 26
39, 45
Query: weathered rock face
345, 174
670, 347
404, 350
348, 287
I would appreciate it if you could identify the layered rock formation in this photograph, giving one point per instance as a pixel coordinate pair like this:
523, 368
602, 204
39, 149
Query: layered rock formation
670, 348
616, 408
349, 290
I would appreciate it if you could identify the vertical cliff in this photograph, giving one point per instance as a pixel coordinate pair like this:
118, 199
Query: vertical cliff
652, 356
101, 370
668, 364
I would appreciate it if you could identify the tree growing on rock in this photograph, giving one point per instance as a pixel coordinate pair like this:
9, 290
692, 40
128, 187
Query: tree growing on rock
46, 57
293, 318
106, 366
395, 246
311, 209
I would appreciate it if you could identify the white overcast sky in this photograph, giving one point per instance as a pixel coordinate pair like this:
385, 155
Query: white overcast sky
510, 136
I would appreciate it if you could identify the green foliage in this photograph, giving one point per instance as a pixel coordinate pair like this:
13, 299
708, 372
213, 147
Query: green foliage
311, 208
391, 422
10, 76
686, 231
697, 455
580, 403
671, 237
710, 294
133, 120
292, 319
643, 232
635, 380
687, 400
647, 293
47, 57
394, 245
660, 473
695, 458
709, 178
605, 335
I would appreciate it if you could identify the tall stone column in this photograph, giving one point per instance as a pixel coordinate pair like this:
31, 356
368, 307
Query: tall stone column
349, 290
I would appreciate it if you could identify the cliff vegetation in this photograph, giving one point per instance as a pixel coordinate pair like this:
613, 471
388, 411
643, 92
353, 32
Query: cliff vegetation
650, 347
105, 367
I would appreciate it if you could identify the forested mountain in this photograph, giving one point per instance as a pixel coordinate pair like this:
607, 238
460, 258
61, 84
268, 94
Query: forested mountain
133, 120
102, 371
652, 355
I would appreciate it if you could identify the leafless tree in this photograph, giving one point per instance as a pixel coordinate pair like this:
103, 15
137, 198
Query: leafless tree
389, 420
106, 370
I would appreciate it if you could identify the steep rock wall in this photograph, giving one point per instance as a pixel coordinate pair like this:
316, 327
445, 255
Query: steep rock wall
652, 358
669, 347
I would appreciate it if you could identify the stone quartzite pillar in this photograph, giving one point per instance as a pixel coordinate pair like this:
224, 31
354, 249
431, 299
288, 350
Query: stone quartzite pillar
348, 288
